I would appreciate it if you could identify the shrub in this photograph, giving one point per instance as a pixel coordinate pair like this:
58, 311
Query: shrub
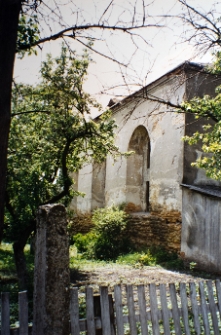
147, 259
110, 224
85, 243
110, 221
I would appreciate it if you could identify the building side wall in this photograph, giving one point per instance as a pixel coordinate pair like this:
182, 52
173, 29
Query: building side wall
165, 130
201, 230
85, 180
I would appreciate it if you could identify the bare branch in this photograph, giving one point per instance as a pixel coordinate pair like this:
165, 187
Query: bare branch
105, 11
75, 29
179, 107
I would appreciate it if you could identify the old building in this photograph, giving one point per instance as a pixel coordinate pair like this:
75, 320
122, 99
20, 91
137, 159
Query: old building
150, 180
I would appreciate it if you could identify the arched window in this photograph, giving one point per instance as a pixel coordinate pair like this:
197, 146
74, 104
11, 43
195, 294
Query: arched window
138, 166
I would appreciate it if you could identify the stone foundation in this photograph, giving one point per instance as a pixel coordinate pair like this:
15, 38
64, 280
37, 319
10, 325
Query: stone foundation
80, 223
156, 229
161, 229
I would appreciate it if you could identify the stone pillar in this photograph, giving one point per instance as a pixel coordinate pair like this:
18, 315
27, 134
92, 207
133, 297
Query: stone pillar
51, 274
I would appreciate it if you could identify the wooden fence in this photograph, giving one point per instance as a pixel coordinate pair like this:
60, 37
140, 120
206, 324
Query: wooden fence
193, 308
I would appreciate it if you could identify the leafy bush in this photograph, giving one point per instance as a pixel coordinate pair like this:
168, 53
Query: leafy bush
147, 259
85, 243
110, 221
110, 224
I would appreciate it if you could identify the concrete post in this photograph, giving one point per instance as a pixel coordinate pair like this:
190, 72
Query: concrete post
51, 274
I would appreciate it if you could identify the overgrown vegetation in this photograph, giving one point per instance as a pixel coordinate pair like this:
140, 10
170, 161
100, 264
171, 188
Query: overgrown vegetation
107, 240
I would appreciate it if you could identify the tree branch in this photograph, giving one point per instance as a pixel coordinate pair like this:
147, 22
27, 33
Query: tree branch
180, 107
75, 29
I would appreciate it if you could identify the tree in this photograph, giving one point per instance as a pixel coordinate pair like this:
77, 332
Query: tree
51, 137
133, 16
203, 30
210, 136
9, 17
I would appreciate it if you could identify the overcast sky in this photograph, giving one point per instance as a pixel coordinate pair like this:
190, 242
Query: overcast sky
161, 51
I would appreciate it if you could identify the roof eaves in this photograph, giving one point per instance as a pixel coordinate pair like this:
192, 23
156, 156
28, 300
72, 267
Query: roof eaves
182, 66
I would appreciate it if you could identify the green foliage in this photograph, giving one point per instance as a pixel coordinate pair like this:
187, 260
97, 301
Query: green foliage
85, 243
107, 239
147, 259
192, 266
51, 136
132, 258
152, 257
110, 224
28, 33
110, 221
9, 280
209, 137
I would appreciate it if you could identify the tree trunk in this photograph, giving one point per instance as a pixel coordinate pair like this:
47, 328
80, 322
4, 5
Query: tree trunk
19, 256
21, 267
9, 15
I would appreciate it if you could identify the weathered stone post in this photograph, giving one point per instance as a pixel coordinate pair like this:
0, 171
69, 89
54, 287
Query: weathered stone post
51, 274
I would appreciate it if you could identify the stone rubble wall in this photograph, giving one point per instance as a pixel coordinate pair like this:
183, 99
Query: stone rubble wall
80, 223
156, 229
161, 229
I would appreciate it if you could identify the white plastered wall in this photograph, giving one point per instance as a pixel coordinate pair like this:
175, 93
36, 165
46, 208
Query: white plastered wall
165, 130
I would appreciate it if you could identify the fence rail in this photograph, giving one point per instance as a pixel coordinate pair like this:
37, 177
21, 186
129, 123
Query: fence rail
129, 309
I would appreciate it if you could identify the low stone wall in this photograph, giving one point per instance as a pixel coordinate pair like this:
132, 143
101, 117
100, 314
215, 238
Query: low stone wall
161, 229
80, 223
156, 229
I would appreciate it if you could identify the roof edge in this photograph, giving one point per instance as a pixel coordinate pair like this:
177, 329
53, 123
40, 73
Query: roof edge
186, 65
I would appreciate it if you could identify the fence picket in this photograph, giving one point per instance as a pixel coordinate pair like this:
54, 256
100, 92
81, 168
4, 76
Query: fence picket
154, 309
195, 308
175, 310
111, 310
74, 312
118, 309
131, 310
218, 293
184, 308
90, 311
105, 312
102, 315
5, 314
212, 307
165, 310
203, 309
142, 309
23, 313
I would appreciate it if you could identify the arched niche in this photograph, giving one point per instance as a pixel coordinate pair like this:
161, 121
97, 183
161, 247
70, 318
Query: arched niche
98, 185
138, 165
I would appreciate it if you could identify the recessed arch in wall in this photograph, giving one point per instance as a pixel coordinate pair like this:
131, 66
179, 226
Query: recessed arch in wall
138, 165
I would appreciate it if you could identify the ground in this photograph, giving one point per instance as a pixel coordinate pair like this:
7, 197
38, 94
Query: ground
111, 274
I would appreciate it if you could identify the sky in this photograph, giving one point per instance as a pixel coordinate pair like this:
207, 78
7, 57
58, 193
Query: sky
151, 52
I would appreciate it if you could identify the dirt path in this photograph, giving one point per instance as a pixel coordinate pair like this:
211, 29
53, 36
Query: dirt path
111, 274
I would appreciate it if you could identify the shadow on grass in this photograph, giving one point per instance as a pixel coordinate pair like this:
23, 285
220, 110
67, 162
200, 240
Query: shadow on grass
77, 275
